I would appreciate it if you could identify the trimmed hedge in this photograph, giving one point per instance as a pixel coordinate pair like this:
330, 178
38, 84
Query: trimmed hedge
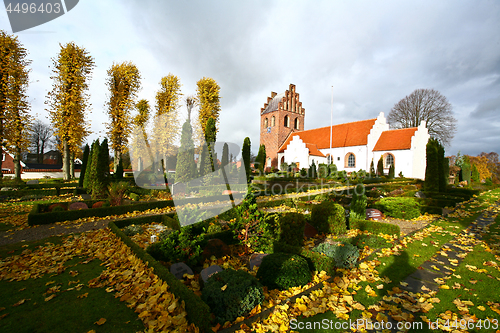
329, 217
35, 217
232, 294
198, 311
284, 270
291, 229
399, 207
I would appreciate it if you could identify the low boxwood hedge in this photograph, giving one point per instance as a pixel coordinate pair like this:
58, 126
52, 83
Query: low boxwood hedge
198, 311
36, 217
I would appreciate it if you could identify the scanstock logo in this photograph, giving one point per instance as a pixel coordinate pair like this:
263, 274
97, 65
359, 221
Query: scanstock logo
31, 13
199, 197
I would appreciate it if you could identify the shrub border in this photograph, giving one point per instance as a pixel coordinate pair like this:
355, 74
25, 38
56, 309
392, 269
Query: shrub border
197, 311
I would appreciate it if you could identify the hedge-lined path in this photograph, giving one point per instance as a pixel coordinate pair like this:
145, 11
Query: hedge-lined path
441, 264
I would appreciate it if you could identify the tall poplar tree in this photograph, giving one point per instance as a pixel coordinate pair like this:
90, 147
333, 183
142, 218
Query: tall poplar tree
166, 122
123, 83
68, 100
14, 118
208, 96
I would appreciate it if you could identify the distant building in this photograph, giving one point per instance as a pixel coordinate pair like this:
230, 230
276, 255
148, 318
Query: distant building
8, 162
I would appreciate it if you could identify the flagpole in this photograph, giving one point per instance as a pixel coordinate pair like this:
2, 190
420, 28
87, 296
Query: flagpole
331, 126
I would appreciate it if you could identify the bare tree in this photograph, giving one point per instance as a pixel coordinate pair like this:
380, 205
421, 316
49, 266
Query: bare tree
428, 105
40, 138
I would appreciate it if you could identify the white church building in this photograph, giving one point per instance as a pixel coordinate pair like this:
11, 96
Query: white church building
351, 146
355, 145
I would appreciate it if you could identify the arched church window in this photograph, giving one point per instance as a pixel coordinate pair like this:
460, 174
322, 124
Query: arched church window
286, 121
265, 123
389, 160
273, 121
351, 160
296, 125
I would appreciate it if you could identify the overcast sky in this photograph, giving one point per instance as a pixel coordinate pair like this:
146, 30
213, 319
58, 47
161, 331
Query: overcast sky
373, 53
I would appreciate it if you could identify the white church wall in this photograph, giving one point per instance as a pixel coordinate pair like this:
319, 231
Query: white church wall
380, 126
339, 157
403, 161
418, 149
296, 152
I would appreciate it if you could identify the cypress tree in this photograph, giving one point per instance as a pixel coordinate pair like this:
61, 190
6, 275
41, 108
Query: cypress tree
431, 169
119, 169
86, 152
205, 167
391, 171
446, 169
380, 167
261, 159
245, 156
225, 155
185, 169
91, 168
372, 170
312, 171
100, 182
440, 168
475, 173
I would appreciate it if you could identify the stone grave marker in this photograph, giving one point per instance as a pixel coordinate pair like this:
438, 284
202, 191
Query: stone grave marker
78, 206
310, 231
374, 214
179, 269
256, 259
209, 271
32, 182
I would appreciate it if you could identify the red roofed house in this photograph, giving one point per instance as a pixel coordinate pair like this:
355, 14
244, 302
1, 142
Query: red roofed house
353, 145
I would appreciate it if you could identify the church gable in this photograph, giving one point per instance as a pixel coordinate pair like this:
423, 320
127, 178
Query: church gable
399, 139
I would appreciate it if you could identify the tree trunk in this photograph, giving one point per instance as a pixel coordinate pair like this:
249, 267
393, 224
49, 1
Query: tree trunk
66, 158
72, 165
17, 163
118, 158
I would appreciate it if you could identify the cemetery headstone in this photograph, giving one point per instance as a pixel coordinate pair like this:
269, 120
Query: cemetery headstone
420, 195
209, 271
374, 214
216, 247
310, 231
32, 182
179, 269
78, 206
256, 259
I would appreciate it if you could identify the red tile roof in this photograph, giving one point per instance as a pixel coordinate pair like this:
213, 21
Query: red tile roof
395, 139
344, 135
313, 150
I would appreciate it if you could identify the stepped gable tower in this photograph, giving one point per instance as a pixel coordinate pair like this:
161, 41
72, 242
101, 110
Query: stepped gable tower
281, 115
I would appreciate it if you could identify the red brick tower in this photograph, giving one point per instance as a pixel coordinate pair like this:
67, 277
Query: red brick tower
281, 115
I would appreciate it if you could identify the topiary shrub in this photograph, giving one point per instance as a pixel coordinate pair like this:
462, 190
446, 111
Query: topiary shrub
399, 207
346, 256
291, 229
283, 270
58, 209
231, 294
358, 203
329, 217
132, 230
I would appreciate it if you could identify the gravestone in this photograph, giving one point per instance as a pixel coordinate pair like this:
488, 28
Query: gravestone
78, 206
32, 182
209, 271
216, 247
6, 189
420, 195
374, 214
179, 269
256, 259
310, 231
